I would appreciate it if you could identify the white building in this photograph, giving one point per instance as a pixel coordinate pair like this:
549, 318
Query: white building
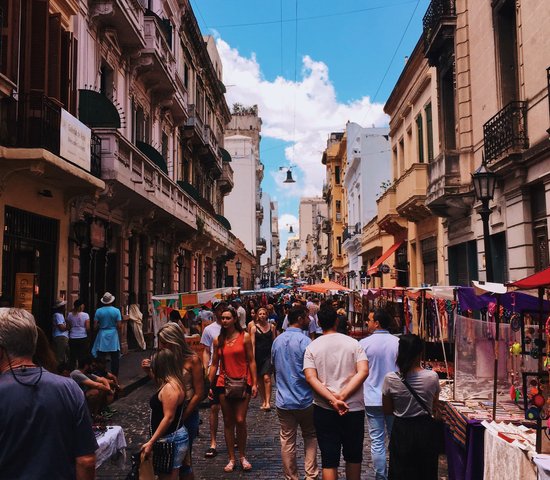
313, 210
240, 204
269, 230
368, 167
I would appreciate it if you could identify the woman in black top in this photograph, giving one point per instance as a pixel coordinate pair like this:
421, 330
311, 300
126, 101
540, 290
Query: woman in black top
167, 406
263, 333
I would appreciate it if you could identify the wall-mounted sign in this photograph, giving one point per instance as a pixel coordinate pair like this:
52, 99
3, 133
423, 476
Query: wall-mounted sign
384, 268
75, 141
24, 291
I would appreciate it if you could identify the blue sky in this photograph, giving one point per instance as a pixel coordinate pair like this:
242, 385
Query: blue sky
309, 76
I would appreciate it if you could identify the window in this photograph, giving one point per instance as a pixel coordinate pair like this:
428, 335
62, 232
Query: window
420, 136
500, 260
337, 175
402, 266
186, 75
339, 241
429, 132
540, 227
429, 260
401, 158
106, 80
9, 38
463, 263
164, 146
338, 206
505, 28
448, 113
162, 268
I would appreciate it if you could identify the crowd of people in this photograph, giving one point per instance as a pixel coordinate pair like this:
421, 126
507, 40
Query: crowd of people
327, 385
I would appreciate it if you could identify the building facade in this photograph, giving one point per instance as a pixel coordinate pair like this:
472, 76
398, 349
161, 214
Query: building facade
334, 158
118, 112
244, 204
367, 167
491, 62
312, 212
417, 233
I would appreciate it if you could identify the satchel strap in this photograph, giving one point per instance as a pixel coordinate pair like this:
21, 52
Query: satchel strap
223, 363
415, 395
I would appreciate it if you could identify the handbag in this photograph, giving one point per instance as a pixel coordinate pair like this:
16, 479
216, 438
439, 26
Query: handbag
163, 451
234, 387
438, 426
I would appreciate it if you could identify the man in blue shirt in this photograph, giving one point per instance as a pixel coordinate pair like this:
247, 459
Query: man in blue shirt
294, 398
381, 350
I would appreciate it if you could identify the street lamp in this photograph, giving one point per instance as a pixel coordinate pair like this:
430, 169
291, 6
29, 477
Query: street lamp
238, 265
484, 181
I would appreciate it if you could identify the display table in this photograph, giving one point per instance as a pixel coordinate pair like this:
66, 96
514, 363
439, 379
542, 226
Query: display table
506, 458
110, 444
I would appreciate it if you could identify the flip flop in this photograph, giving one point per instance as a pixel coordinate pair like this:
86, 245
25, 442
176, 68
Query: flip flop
230, 466
245, 464
210, 453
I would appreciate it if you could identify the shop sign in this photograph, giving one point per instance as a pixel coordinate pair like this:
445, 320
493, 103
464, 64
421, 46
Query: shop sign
24, 291
384, 268
75, 141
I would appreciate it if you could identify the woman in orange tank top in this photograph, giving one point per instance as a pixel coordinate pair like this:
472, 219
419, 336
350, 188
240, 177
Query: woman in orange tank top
234, 356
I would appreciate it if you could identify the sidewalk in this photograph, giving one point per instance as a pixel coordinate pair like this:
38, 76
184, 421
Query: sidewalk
131, 376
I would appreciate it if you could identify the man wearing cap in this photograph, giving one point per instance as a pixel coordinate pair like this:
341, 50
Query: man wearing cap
107, 323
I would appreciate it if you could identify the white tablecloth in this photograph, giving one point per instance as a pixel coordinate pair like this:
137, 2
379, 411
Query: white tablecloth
110, 443
542, 461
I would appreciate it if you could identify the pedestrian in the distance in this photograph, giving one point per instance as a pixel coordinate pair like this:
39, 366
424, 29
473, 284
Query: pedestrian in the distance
78, 322
381, 350
335, 367
209, 334
107, 323
60, 332
233, 355
413, 449
294, 399
167, 407
263, 333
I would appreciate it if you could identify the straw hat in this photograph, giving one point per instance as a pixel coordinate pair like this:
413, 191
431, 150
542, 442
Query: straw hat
59, 303
107, 298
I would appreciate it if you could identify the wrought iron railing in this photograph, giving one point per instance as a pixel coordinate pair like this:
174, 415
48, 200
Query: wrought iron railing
39, 122
95, 156
437, 11
507, 130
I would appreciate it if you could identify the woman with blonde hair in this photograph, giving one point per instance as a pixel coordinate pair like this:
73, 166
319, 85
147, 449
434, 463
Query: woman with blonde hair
263, 333
167, 406
171, 337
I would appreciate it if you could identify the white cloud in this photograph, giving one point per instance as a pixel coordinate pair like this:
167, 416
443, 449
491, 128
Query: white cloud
303, 113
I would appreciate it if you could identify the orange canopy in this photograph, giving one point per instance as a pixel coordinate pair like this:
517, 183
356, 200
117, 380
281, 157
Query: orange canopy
374, 267
325, 287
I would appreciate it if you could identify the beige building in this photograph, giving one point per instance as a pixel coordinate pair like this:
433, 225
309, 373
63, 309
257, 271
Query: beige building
417, 235
334, 158
112, 157
491, 61
312, 212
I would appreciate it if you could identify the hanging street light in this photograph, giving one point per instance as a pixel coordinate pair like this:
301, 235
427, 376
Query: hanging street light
289, 178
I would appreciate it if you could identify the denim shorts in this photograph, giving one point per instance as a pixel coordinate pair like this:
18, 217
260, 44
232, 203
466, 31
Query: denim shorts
181, 440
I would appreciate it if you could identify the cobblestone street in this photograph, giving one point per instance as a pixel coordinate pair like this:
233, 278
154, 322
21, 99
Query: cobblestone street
263, 442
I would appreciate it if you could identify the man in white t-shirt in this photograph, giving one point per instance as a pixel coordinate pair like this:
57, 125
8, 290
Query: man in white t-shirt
241, 312
209, 334
335, 366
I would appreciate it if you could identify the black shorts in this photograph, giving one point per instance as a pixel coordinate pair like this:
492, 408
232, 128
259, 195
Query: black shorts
215, 400
337, 434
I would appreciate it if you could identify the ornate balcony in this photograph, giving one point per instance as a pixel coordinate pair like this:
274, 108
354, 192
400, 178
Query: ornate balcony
410, 191
388, 218
225, 182
259, 211
439, 25
261, 246
194, 127
212, 153
123, 16
505, 135
447, 195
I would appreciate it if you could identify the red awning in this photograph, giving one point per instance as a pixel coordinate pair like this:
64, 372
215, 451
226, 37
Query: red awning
374, 267
325, 287
537, 280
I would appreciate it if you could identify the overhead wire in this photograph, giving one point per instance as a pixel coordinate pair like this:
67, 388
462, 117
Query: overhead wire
373, 98
313, 17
